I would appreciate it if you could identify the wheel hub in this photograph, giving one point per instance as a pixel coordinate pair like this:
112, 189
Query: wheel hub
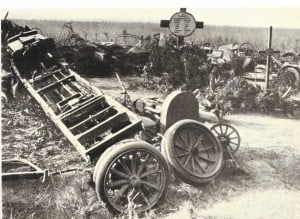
194, 151
134, 181
224, 140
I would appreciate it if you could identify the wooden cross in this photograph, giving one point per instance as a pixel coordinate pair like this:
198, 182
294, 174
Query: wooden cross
269, 53
182, 24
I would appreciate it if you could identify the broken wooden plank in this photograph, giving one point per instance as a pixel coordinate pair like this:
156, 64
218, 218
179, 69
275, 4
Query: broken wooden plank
56, 83
65, 86
91, 117
66, 100
88, 104
101, 127
126, 132
44, 76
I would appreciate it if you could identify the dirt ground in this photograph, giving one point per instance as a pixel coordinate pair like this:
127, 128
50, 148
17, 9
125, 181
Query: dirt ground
269, 154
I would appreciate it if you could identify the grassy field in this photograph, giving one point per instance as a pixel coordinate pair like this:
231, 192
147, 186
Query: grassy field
283, 39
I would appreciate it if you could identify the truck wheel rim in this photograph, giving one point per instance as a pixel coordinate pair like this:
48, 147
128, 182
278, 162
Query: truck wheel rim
197, 151
136, 179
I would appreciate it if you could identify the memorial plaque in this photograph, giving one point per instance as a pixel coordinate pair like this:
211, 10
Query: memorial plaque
182, 24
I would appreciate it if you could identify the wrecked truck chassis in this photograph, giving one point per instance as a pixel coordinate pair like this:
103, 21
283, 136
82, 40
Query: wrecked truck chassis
128, 171
92, 121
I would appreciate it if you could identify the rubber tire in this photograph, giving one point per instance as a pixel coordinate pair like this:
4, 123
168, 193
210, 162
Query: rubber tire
101, 158
114, 151
178, 171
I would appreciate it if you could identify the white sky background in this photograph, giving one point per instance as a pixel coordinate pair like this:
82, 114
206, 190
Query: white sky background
260, 13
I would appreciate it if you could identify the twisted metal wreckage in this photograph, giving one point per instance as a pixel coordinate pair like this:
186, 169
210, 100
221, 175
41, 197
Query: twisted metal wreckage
129, 169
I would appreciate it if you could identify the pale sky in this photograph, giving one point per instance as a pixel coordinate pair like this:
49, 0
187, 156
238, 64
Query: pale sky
261, 13
277, 17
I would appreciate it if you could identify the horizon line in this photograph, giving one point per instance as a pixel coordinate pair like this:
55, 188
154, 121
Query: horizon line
152, 22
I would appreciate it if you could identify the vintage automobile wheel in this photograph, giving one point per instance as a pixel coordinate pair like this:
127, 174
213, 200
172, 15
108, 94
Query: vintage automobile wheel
131, 173
246, 48
193, 152
228, 136
289, 80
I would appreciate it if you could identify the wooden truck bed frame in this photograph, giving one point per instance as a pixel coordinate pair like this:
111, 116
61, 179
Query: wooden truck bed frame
91, 120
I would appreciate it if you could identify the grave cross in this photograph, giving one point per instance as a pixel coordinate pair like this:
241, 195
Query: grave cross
269, 53
182, 24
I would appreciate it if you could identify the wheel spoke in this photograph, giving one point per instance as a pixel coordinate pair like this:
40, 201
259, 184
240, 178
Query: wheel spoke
144, 197
215, 130
125, 167
193, 164
233, 143
230, 133
189, 137
230, 148
206, 159
118, 183
221, 129
143, 164
183, 155
182, 148
181, 139
205, 149
150, 173
119, 173
123, 190
234, 137
150, 185
199, 139
199, 165
187, 160
226, 129
133, 164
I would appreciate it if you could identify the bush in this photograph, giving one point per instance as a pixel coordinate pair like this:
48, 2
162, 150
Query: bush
236, 95
185, 65
272, 100
240, 96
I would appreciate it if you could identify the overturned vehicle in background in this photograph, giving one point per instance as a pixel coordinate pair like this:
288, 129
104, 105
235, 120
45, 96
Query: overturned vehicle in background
284, 70
284, 67
244, 60
130, 147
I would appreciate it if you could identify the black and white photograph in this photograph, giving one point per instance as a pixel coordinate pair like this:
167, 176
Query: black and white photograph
131, 111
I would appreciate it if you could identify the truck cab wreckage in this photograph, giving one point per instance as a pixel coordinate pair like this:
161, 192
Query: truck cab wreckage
129, 169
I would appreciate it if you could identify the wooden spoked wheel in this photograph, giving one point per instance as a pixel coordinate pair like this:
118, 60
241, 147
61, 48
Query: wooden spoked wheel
193, 152
246, 48
131, 175
228, 136
289, 81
